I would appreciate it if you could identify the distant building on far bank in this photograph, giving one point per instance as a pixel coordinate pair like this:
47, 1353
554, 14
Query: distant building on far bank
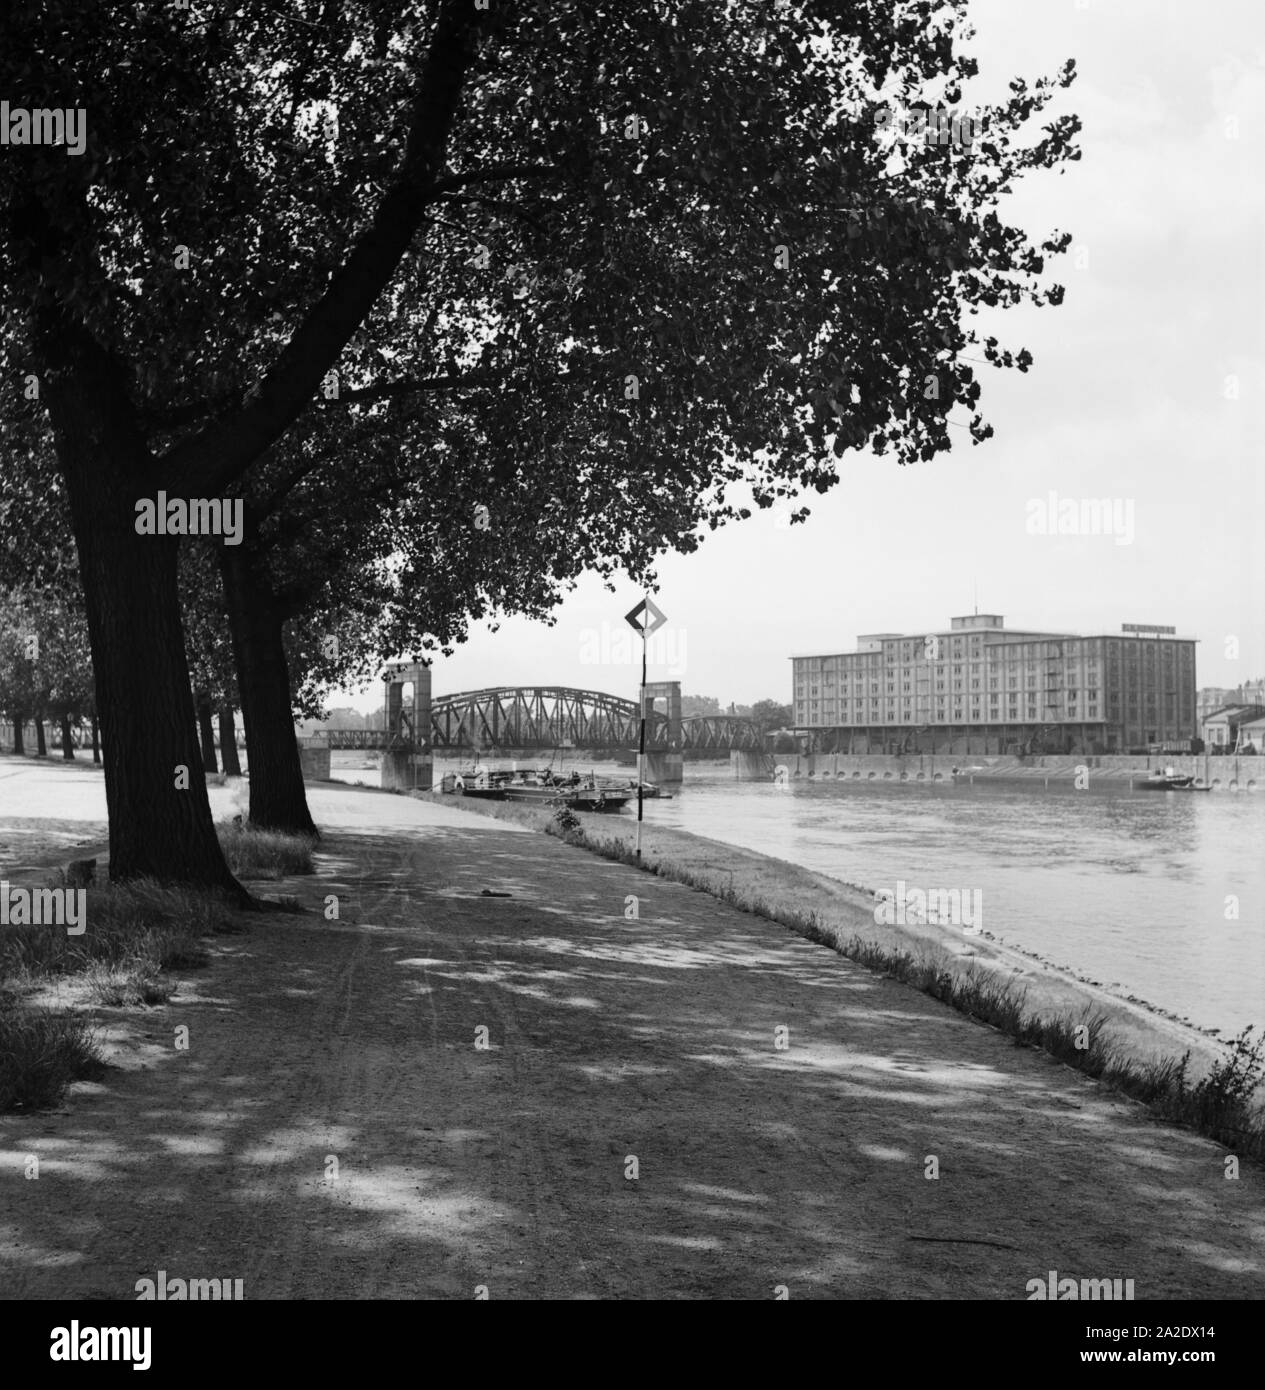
1229, 727
1215, 697
979, 688
1252, 735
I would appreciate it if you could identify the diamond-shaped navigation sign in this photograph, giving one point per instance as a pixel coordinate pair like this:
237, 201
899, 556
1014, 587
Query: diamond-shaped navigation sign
652, 620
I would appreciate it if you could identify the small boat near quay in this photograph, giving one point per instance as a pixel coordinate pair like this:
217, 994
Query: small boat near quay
1168, 781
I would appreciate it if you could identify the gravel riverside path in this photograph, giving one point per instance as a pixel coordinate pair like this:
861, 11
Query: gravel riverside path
545, 1095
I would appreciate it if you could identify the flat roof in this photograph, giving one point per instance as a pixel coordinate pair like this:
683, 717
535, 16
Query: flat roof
1013, 635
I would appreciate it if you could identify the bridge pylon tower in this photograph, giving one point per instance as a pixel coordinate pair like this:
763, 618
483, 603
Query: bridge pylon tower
664, 740
408, 758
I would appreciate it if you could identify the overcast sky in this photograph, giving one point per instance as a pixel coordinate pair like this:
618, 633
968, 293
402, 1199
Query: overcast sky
1130, 398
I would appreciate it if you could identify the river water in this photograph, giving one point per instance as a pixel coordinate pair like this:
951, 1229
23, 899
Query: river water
1163, 893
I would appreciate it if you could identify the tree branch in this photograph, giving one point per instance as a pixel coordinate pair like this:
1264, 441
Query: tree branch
393, 389
175, 416
494, 173
225, 449
283, 489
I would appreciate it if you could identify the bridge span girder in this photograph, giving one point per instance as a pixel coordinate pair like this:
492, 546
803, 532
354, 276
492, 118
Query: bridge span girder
549, 717
721, 733
534, 717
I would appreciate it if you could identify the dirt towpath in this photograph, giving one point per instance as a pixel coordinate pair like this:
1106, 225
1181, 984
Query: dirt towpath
633, 1128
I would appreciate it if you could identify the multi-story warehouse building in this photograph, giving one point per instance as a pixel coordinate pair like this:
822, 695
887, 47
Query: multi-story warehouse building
979, 688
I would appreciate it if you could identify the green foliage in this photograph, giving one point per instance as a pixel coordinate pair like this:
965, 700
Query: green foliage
45, 658
499, 380
564, 821
20, 686
1226, 1094
770, 715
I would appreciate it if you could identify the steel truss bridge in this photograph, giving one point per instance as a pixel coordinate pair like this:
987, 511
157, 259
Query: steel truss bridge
548, 717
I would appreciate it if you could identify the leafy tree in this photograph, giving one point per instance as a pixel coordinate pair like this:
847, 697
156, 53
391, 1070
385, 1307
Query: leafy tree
692, 705
18, 682
40, 597
652, 251
344, 718
45, 665
64, 666
770, 715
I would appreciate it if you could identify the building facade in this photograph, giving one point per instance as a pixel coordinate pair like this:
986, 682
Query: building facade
1218, 697
980, 688
1226, 728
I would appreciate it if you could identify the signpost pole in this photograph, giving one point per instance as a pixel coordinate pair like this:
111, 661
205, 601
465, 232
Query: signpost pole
641, 747
646, 618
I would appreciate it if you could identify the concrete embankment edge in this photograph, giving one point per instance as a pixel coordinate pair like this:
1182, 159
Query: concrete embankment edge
789, 894
1222, 774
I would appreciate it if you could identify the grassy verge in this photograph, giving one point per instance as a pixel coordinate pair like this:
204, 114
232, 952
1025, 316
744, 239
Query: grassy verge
136, 934
1220, 1105
126, 923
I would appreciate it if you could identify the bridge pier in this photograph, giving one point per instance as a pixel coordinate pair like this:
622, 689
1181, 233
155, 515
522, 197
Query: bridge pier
314, 757
749, 767
408, 760
664, 767
664, 760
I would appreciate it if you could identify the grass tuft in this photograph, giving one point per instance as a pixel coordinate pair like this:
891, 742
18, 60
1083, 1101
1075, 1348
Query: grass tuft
255, 853
41, 1053
124, 986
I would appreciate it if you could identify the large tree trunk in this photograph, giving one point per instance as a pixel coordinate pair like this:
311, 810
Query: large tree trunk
278, 800
41, 746
160, 817
19, 742
96, 740
206, 731
67, 738
228, 743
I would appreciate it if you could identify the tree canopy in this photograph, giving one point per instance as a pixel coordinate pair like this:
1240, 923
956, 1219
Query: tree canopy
580, 275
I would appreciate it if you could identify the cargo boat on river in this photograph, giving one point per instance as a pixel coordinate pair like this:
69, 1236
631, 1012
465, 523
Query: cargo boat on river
543, 787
